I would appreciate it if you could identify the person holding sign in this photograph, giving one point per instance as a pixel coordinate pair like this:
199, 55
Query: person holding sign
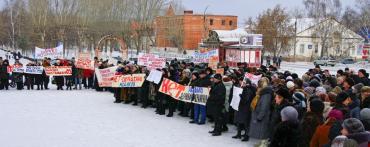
200, 110
215, 104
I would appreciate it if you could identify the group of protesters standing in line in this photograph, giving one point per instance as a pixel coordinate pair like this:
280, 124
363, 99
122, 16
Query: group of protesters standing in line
282, 109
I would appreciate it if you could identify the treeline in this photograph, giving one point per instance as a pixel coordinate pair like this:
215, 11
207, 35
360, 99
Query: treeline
25, 24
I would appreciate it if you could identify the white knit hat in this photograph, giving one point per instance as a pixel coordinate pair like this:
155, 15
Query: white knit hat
290, 84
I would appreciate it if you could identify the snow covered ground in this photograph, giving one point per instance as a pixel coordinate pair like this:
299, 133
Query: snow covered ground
302, 67
90, 119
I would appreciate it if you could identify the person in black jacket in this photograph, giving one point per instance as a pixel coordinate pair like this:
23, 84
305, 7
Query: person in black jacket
287, 132
59, 80
365, 97
200, 110
4, 75
243, 115
215, 104
364, 77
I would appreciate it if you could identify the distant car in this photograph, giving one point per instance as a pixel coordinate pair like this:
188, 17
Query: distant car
347, 61
324, 61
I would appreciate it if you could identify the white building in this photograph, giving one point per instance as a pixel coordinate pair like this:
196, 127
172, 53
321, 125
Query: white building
314, 35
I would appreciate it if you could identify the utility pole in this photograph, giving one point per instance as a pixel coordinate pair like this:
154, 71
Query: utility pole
295, 40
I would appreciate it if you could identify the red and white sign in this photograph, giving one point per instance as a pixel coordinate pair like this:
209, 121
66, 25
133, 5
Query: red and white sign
58, 70
171, 88
105, 76
254, 78
151, 61
84, 61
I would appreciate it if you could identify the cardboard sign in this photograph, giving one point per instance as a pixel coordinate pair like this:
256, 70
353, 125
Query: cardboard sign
151, 61
105, 76
236, 98
56, 52
58, 70
253, 78
34, 70
134, 80
154, 76
171, 88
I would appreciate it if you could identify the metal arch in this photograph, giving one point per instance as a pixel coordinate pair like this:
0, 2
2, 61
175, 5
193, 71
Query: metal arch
123, 46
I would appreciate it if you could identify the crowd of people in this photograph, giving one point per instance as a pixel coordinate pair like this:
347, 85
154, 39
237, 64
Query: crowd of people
282, 110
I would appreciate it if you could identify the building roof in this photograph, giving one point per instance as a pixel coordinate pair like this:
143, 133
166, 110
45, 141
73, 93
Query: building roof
231, 36
303, 23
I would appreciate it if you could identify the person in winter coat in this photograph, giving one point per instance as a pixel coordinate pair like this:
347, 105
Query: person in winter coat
281, 101
243, 115
184, 80
311, 120
321, 135
161, 97
18, 77
196, 112
203, 81
229, 87
4, 75
354, 106
365, 97
38, 79
288, 132
172, 103
59, 79
364, 77
261, 110
45, 78
354, 129
365, 118
216, 104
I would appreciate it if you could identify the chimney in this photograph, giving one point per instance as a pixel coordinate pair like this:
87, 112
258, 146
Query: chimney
188, 12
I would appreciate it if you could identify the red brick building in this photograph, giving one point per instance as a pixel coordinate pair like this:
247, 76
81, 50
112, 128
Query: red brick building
187, 31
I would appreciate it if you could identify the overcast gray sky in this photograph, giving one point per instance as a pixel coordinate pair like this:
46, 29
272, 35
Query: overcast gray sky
244, 8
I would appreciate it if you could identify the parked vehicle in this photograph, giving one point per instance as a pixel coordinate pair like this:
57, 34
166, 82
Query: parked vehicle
347, 61
325, 61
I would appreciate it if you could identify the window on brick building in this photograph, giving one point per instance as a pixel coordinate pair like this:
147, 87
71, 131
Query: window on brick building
211, 22
230, 22
223, 22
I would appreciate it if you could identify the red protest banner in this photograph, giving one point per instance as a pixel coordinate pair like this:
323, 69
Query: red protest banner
171, 88
84, 61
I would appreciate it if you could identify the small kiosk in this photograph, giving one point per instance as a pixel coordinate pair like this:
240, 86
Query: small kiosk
236, 47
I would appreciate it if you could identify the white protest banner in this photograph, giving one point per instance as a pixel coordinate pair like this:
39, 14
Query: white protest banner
34, 70
154, 76
134, 80
105, 76
205, 57
151, 61
236, 98
56, 52
253, 78
201, 95
58, 70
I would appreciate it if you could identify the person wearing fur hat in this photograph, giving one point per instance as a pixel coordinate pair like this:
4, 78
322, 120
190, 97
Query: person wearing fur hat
288, 132
354, 129
353, 105
312, 119
321, 135
215, 104
364, 77
282, 97
365, 97
365, 118
300, 103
